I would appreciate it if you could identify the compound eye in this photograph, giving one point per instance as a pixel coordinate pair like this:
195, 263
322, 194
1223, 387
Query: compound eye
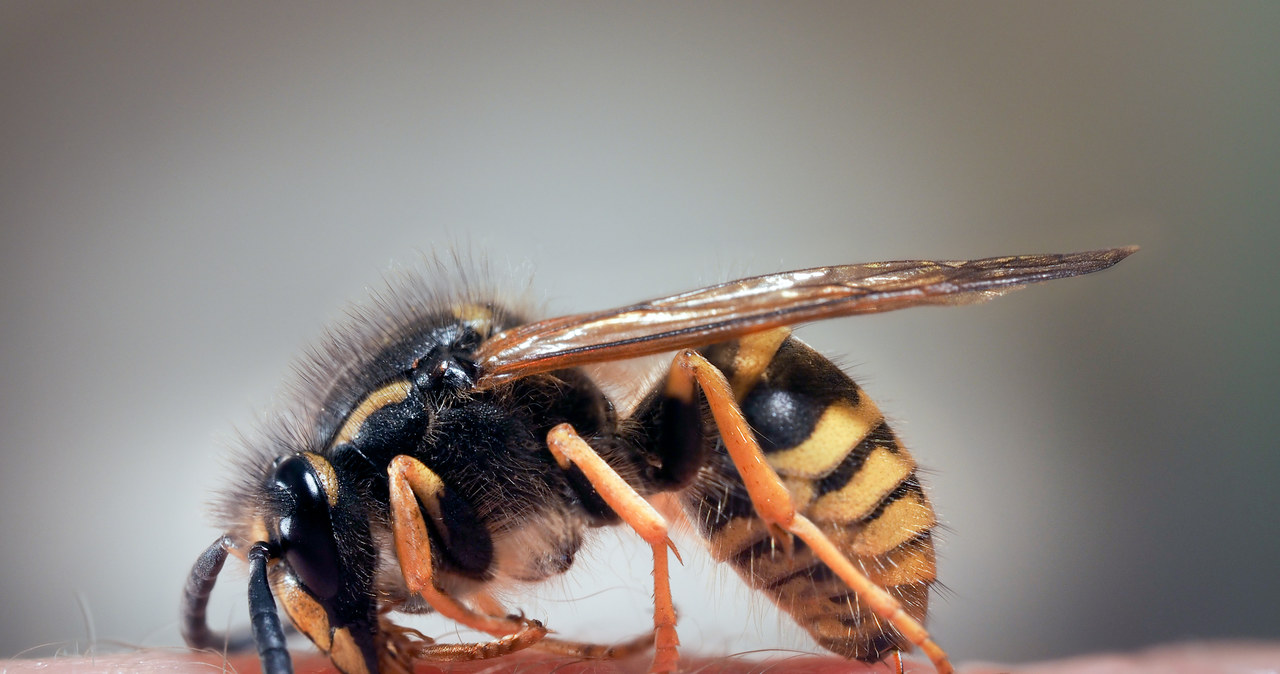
306, 531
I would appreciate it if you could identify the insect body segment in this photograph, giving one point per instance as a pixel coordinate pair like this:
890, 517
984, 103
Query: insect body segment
845, 470
444, 447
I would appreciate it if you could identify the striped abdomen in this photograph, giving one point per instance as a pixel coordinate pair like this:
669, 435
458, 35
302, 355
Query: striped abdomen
845, 471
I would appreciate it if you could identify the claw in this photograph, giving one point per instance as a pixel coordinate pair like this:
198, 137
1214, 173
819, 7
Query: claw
782, 538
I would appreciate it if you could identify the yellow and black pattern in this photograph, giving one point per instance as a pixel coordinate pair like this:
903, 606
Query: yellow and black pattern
420, 464
844, 469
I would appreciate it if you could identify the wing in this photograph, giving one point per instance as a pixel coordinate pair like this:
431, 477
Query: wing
730, 310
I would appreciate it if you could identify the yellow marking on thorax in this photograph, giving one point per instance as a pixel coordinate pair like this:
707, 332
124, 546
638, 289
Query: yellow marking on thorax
880, 474
328, 478
306, 613
840, 428
477, 314
390, 394
901, 521
755, 352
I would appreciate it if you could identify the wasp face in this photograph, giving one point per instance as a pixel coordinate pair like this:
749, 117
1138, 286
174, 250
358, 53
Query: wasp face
313, 522
321, 579
303, 531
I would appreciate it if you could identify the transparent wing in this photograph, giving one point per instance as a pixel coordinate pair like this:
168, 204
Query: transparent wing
730, 310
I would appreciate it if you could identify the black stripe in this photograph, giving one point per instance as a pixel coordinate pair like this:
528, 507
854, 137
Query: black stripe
880, 436
869, 650
921, 540
817, 573
875, 648
911, 485
796, 367
721, 496
721, 355
795, 389
858, 619
765, 548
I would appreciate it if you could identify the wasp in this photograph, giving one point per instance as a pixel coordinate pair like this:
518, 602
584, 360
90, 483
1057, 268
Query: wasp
444, 446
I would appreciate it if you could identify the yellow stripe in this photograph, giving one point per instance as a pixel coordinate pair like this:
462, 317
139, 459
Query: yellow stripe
801, 491
901, 521
880, 474
328, 478
905, 565
755, 352
390, 394
840, 428
476, 314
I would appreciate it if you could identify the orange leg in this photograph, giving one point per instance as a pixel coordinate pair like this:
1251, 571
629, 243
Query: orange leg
405, 645
526, 637
572, 649
773, 503
569, 448
585, 651
412, 482
895, 666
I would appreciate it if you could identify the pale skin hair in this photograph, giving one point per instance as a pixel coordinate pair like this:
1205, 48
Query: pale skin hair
1190, 658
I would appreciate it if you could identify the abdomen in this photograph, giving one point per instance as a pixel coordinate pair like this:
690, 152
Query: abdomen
845, 470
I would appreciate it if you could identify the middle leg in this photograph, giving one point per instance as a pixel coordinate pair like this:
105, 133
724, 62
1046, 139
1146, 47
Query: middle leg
570, 449
411, 483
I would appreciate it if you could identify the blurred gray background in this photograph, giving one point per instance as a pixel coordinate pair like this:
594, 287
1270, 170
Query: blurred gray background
190, 192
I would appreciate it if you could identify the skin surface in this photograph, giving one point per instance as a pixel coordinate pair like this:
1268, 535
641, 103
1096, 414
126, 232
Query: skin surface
1189, 658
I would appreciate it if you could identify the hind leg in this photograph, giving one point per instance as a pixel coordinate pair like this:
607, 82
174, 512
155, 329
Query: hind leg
773, 503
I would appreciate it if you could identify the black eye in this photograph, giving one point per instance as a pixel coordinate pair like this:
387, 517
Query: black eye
306, 532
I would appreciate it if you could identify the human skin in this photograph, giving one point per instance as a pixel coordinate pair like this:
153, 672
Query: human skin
1190, 658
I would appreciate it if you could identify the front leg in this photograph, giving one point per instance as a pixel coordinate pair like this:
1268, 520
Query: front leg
570, 449
411, 483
